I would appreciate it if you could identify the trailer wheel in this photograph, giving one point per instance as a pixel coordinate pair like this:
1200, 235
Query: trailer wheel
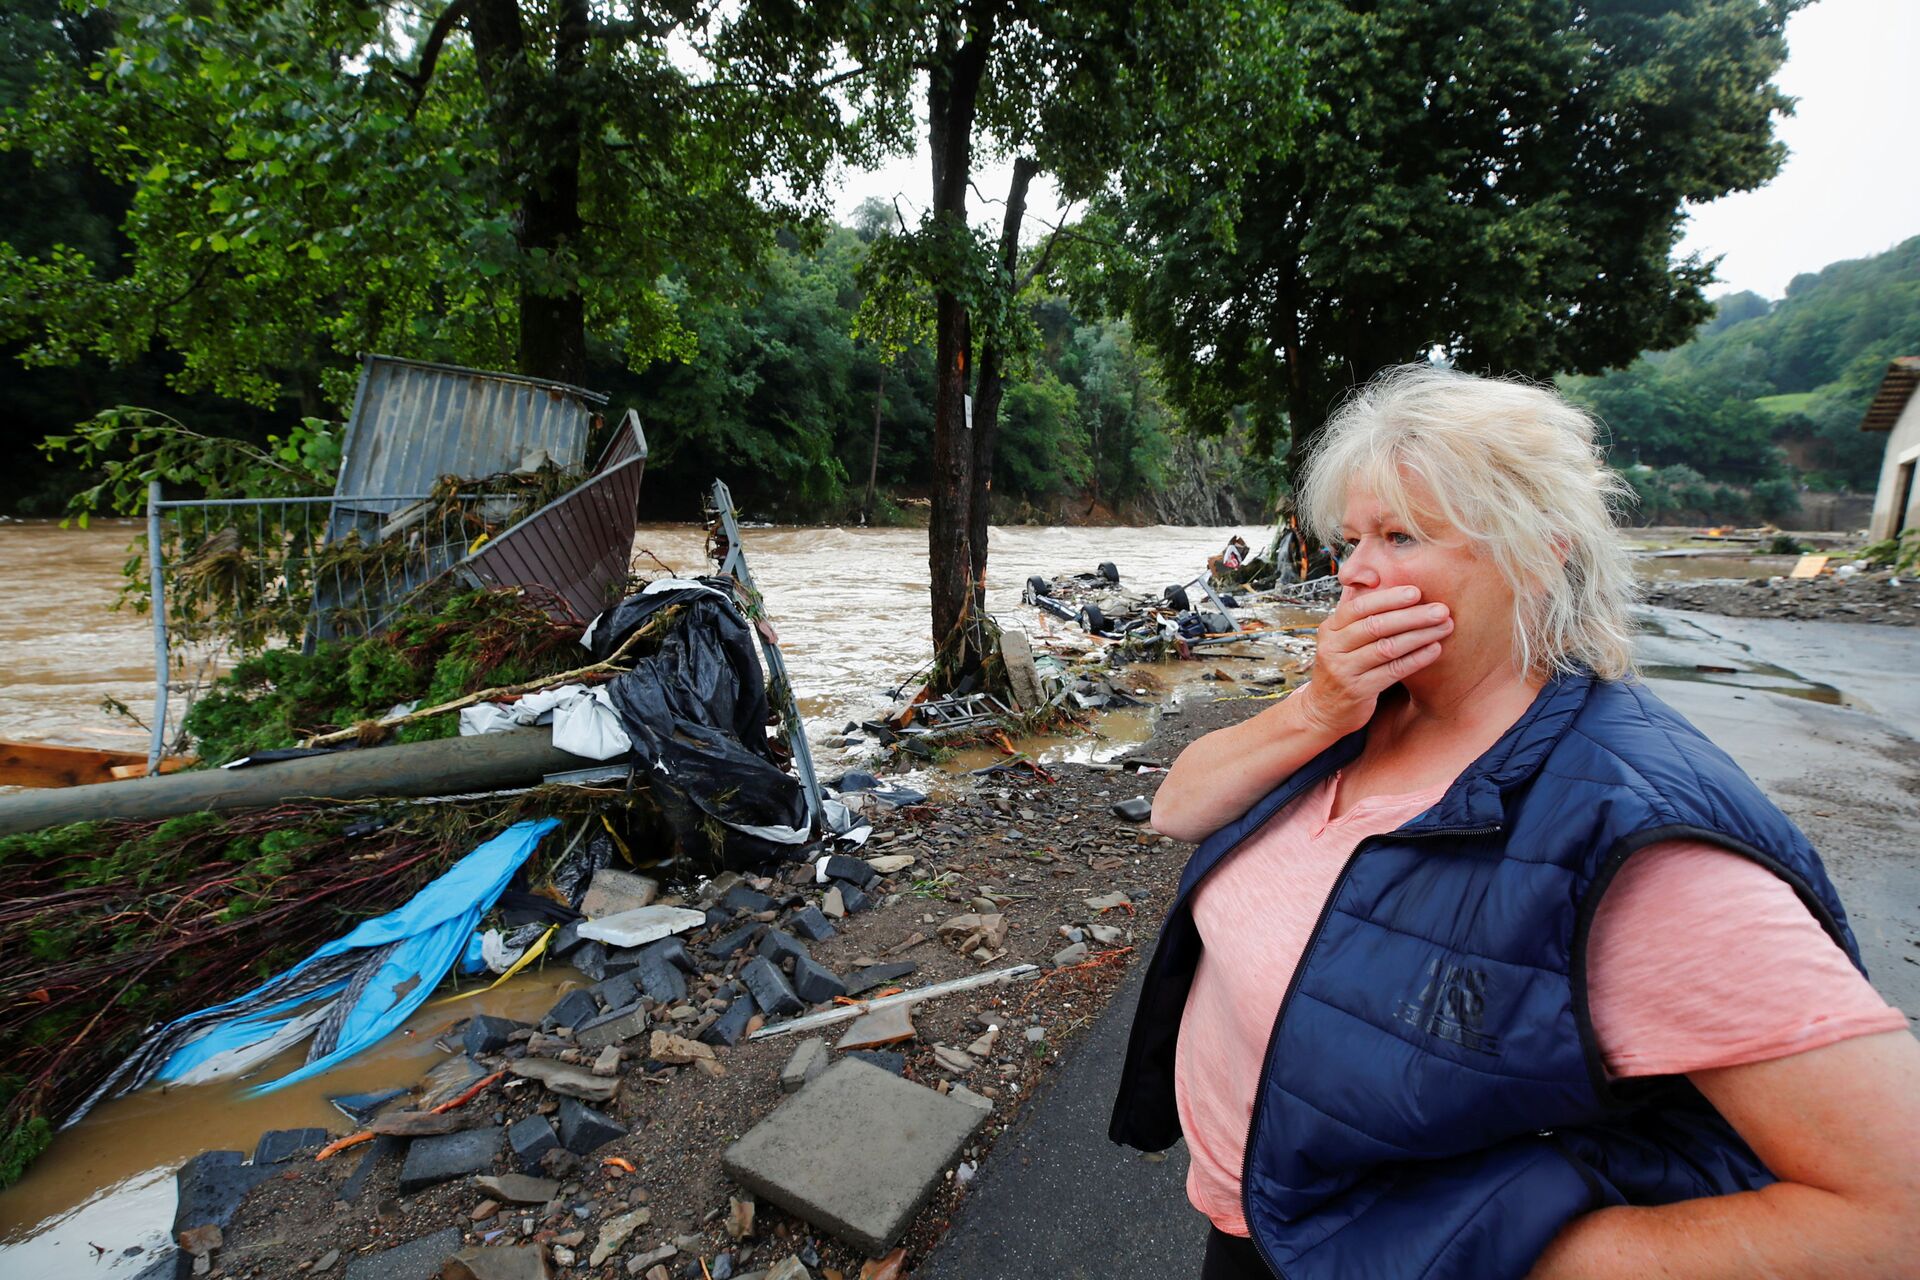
1109, 571
1092, 620
1039, 587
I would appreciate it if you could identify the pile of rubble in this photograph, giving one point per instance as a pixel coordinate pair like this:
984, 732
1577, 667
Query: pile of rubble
823, 1041
1874, 596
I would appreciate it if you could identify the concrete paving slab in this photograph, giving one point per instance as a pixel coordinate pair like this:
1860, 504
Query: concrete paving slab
639, 927
856, 1152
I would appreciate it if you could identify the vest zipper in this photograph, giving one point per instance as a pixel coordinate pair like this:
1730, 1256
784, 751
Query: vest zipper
1306, 954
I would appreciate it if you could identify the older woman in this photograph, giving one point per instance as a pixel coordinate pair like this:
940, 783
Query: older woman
1489, 964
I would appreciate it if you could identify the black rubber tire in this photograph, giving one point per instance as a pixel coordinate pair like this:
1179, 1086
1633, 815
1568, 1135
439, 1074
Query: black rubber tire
1109, 571
1039, 586
1092, 621
1176, 598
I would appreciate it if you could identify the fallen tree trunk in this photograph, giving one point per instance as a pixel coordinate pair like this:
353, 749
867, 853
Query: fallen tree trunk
486, 762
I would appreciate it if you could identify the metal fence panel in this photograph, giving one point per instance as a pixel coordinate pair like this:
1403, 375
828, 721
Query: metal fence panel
414, 422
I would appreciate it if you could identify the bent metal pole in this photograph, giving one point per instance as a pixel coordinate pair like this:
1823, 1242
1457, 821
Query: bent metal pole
445, 766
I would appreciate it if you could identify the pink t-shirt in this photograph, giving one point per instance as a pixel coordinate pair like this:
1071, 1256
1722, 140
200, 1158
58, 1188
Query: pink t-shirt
1698, 958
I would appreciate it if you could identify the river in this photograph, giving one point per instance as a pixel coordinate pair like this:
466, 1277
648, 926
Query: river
851, 609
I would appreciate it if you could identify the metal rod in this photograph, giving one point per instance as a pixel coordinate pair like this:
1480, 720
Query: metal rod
733, 563
157, 597
947, 988
292, 502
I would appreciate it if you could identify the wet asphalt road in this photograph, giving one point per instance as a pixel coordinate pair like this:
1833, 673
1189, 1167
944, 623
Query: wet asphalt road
1058, 1201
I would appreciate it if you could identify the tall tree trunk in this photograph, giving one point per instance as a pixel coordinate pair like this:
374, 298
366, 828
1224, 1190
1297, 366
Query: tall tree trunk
953, 89
991, 384
873, 458
537, 126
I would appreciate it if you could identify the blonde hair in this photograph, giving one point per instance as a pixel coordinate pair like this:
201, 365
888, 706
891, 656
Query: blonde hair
1514, 468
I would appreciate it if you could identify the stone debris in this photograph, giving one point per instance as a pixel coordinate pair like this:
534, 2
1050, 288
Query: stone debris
808, 1061
788, 1268
639, 927
972, 1099
418, 1124
770, 988
517, 1188
676, 1050
324, 1263
834, 904
856, 1152
431, 1161
983, 1047
855, 871
362, 1107
640, 1262
1070, 955
1109, 902
573, 1009
973, 931
566, 1079
284, 1144
889, 1024
531, 1138
888, 863
614, 1233
739, 1224
815, 983
1136, 809
415, 1260
878, 975
613, 892
952, 1060
500, 1262
812, 925
488, 1034
198, 1242
484, 1210
608, 1063
609, 1030
584, 1130
732, 1022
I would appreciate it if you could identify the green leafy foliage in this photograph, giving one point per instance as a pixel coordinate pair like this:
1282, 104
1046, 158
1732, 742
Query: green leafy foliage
448, 647
1797, 374
1500, 183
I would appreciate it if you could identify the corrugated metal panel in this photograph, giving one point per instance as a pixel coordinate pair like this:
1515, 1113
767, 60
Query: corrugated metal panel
578, 545
415, 422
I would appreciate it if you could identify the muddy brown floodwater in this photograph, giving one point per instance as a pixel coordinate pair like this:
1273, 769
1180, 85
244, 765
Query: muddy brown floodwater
850, 605
851, 609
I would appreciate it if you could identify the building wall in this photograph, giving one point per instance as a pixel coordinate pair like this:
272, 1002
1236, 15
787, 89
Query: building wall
1903, 454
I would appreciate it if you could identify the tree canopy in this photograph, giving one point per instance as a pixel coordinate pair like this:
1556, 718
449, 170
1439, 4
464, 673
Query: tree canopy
491, 184
1767, 385
1499, 183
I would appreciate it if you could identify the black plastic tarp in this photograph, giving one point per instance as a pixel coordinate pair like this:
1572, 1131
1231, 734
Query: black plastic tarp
696, 710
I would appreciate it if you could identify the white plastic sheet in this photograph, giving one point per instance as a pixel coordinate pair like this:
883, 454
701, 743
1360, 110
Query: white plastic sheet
584, 721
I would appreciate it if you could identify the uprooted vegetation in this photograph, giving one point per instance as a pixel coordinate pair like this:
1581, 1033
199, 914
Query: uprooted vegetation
432, 653
114, 926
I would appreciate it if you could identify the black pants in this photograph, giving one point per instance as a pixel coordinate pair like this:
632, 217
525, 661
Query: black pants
1231, 1258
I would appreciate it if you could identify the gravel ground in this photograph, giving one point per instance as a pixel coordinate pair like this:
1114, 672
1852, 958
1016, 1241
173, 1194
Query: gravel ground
1044, 846
1864, 597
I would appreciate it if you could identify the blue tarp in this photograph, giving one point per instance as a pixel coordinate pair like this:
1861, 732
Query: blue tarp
427, 937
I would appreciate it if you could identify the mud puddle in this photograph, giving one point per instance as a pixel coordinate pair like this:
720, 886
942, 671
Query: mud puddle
106, 1185
1672, 647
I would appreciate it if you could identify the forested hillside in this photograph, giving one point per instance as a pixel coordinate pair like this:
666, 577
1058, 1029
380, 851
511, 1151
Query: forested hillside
1767, 396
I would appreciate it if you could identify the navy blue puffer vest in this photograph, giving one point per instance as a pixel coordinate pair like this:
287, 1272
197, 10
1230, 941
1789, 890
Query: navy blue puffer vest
1432, 1104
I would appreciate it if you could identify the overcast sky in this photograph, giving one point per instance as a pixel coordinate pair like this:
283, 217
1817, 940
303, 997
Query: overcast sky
1850, 188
